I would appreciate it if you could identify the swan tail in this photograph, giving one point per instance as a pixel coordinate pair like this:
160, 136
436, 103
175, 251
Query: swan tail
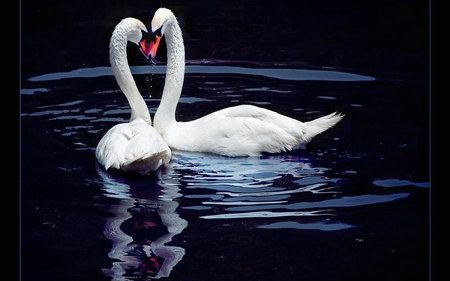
321, 124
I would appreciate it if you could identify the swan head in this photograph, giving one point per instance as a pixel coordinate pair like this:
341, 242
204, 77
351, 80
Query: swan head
133, 28
161, 19
137, 33
150, 41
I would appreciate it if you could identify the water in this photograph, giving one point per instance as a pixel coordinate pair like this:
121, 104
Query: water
354, 205
228, 207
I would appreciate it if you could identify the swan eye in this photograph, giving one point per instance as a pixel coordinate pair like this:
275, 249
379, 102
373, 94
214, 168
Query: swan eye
158, 32
146, 37
150, 36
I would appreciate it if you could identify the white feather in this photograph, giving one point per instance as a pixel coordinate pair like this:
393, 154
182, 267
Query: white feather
133, 147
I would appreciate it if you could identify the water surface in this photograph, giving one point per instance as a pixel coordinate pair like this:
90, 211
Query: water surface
341, 196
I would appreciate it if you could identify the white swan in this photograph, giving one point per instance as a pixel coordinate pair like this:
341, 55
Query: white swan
135, 146
243, 130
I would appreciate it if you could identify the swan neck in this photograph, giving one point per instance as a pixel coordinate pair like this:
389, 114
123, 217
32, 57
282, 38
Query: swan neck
165, 114
122, 73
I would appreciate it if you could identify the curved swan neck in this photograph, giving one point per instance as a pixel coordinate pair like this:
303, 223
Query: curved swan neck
165, 115
122, 73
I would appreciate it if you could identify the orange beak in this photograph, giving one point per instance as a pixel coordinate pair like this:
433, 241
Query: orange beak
148, 47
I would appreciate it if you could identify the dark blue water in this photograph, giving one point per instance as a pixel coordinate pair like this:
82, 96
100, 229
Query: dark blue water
354, 205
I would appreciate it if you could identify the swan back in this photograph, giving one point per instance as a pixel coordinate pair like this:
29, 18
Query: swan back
133, 147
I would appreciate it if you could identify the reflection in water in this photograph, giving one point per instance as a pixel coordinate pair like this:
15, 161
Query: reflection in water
259, 185
269, 187
139, 255
307, 226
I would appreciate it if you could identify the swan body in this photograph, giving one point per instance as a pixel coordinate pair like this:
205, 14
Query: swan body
135, 146
243, 130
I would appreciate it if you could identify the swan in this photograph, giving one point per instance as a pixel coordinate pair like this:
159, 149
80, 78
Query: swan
243, 130
135, 146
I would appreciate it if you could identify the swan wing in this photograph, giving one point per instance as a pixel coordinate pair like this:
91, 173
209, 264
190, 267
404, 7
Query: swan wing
134, 146
144, 142
246, 130
285, 123
233, 135
304, 131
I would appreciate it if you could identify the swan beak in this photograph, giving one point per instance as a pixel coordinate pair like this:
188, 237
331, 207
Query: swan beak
154, 46
149, 48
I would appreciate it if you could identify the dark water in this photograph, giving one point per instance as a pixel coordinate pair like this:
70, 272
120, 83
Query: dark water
353, 206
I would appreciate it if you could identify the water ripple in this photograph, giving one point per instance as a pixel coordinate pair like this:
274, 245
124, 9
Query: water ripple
267, 214
292, 74
250, 188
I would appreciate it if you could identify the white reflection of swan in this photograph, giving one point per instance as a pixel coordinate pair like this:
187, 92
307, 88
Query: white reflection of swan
171, 254
120, 241
123, 244
245, 175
